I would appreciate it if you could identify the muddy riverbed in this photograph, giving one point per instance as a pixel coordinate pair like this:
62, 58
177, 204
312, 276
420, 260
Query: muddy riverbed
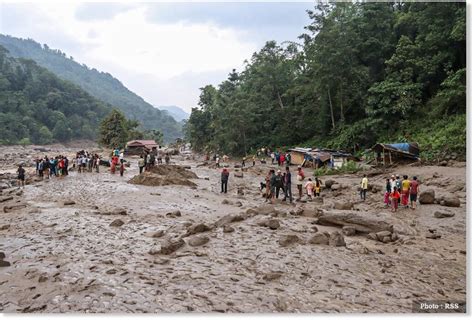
68, 253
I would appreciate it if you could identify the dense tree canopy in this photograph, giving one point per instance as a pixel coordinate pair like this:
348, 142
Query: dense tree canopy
363, 73
38, 107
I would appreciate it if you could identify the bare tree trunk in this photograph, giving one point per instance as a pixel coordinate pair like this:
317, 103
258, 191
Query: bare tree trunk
342, 108
332, 111
280, 102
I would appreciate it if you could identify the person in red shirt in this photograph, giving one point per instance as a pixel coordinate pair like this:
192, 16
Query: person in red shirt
395, 196
414, 190
282, 159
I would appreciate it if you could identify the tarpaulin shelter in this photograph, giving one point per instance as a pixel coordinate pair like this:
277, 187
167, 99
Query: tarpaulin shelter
396, 152
319, 157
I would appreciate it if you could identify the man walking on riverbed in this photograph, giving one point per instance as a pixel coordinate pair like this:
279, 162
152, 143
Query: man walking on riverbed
287, 185
363, 187
224, 180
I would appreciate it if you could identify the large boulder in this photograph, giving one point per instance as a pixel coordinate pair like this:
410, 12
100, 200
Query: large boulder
343, 205
449, 200
328, 183
443, 214
336, 239
349, 230
319, 238
427, 197
198, 240
288, 239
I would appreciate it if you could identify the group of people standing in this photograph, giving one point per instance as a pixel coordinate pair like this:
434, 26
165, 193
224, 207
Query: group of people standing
281, 158
150, 159
401, 192
52, 167
276, 182
86, 162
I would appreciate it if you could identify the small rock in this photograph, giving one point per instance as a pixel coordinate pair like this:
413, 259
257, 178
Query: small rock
443, 214
272, 276
69, 203
336, 239
238, 174
348, 230
4, 263
2, 255
168, 246
395, 236
287, 240
5, 227
198, 240
158, 234
319, 238
42, 278
238, 204
228, 229
173, 214
433, 235
197, 228
273, 224
386, 239
117, 223
382, 234
335, 187
225, 201
240, 191
372, 236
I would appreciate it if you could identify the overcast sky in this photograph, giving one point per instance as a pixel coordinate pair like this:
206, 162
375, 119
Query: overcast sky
164, 52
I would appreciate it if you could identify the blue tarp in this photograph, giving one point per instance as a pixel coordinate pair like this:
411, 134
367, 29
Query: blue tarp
401, 146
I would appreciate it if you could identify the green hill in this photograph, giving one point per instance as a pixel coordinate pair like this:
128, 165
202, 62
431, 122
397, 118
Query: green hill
38, 107
101, 85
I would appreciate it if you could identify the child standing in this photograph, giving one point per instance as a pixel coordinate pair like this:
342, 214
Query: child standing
309, 186
395, 195
388, 190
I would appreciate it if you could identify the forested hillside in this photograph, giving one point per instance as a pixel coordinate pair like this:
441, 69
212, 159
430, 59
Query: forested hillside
361, 73
38, 107
101, 85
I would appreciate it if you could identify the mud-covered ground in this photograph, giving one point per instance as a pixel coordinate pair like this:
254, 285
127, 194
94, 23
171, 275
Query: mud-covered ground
66, 257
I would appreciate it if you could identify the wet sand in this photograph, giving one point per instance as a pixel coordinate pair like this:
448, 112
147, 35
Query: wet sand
67, 258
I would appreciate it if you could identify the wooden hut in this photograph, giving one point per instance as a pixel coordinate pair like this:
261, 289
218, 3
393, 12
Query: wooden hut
139, 146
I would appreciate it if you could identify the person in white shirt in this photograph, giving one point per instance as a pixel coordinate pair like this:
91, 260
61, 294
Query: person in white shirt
364, 185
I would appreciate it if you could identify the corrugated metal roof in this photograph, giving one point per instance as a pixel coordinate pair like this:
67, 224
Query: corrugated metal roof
142, 142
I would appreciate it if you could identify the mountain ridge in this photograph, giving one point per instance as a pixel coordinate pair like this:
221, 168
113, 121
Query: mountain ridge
101, 85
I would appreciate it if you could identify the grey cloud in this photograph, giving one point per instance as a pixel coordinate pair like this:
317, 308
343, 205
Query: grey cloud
100, 10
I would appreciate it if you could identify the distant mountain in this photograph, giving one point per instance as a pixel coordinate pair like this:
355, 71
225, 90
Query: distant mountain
102, 86
38, 107
176, 112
